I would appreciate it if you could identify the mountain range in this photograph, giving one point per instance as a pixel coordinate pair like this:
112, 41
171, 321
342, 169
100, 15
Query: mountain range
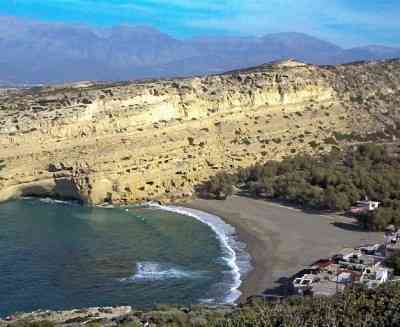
35, 52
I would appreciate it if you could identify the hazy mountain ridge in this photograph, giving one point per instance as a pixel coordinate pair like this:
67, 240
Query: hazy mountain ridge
36, 52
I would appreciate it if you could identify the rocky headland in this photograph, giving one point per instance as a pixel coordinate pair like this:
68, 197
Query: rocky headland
158, 140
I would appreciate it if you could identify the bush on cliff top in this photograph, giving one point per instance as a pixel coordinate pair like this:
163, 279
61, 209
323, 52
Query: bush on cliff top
353, 308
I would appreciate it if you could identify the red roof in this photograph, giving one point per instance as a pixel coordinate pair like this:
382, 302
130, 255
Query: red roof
322, 263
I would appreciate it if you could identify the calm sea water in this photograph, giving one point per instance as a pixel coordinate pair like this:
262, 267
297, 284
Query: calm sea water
59, 256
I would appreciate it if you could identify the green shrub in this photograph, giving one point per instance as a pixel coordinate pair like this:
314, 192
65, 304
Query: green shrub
343, 136
394, 262
333, 181
219, 186
26, 323
355, 307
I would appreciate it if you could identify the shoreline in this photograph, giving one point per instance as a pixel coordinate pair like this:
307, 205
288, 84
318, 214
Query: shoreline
252, 281
281, 240
236, 258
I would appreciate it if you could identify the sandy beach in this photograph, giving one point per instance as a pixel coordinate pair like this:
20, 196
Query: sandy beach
282, 240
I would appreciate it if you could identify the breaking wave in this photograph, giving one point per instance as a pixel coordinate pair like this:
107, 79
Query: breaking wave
235, 256
53, 201
152, 271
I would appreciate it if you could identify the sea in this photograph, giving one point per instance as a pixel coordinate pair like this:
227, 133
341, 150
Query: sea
61, 255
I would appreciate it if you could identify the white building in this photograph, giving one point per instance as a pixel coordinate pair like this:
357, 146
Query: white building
364, 206
370, 205
372, 277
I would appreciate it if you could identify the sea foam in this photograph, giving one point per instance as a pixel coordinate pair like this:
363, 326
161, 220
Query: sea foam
53, 201
235, 255
153, 271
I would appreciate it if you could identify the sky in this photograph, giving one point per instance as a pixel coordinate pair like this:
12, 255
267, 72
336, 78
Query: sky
344, 22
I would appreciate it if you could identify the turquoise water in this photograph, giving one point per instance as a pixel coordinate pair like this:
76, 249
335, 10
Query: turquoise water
59, 256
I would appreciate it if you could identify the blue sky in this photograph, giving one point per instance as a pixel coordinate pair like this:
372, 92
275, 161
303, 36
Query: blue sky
345, 22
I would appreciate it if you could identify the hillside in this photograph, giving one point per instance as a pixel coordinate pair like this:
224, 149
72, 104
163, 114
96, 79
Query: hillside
37, 52
362, 307
158, 140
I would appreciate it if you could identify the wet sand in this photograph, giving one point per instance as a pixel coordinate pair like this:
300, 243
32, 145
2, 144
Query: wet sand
282, 240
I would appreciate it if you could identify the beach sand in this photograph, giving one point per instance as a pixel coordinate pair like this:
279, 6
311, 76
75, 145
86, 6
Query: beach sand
282, 240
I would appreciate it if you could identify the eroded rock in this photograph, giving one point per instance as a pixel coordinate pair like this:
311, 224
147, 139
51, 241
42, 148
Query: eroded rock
107, 142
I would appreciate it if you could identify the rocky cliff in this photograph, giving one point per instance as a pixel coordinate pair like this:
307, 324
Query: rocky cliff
157, 140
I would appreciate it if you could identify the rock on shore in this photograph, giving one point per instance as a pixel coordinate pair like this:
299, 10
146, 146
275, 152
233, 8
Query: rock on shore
77, 316
197, 315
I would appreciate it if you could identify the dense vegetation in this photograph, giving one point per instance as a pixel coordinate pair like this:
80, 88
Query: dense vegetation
356, 307
394, 262
333, 182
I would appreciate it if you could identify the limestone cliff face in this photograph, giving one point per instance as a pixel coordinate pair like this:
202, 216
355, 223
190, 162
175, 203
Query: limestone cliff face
133, 142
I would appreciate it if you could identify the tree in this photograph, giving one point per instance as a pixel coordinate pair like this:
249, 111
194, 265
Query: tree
352, 193
220, 186
394, 262
335, 200
381, 218
333, 181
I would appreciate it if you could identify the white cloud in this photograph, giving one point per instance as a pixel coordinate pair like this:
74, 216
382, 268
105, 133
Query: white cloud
327, 19
346, 22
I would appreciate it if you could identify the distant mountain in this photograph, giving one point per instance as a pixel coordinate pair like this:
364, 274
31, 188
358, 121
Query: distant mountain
36, 52
372, 52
